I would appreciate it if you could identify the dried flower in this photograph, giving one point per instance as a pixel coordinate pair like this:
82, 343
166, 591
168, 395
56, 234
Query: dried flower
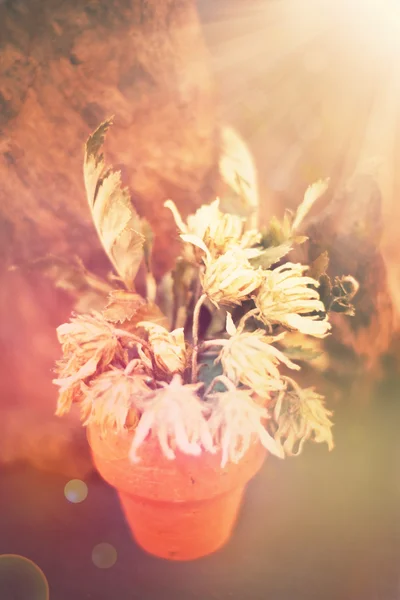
300, 415
89, 335
215, 230
128, 370
110, 399
228, 231
71, 385
236, 422
286, 298
230, 278
89, 344
197, 223
177, 417
169, 348
249, 358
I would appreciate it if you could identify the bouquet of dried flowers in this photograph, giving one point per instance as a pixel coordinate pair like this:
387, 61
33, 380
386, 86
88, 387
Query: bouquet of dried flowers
199, 361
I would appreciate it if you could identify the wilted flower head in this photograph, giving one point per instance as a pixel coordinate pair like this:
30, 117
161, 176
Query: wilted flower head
88, 333
236, 422
109, 400
300, 415
169, 348
71, 380
197, 223
286, 298
218, 231
177, 416
230, 278
249, 358
89, 345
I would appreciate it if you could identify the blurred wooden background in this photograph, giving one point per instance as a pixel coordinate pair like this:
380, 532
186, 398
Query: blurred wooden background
310, 86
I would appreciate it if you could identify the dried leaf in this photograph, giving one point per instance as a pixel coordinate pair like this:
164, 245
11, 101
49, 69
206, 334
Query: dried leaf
122, 306
301, 415
238, 170
338, 296
116, 221
319, 266
343, 291
149, 311
313, 193
89, 290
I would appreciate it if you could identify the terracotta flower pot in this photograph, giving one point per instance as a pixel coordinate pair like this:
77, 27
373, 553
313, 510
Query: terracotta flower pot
181, 509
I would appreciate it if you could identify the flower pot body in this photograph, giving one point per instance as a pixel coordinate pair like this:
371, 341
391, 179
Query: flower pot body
178, 509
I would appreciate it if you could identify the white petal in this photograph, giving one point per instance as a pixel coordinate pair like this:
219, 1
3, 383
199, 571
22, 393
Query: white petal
189, 238
177, 217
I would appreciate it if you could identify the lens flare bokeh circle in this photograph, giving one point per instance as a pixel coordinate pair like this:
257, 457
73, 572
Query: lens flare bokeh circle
21, 578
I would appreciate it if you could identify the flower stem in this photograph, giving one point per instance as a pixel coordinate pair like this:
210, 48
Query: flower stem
293, 383
252, 313
213, 343
229, 385
122, 333
195, 335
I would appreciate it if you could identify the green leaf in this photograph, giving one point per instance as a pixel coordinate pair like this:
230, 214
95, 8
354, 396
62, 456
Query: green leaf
209, 369
301, 353
183, 277
148, 242
271, 256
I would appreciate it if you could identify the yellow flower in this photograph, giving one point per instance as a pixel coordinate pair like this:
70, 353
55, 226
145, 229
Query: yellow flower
169, 348
177, 417
285, 298
249, 358
217, 231
109, 401
236, 422
230, 279
300, 415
